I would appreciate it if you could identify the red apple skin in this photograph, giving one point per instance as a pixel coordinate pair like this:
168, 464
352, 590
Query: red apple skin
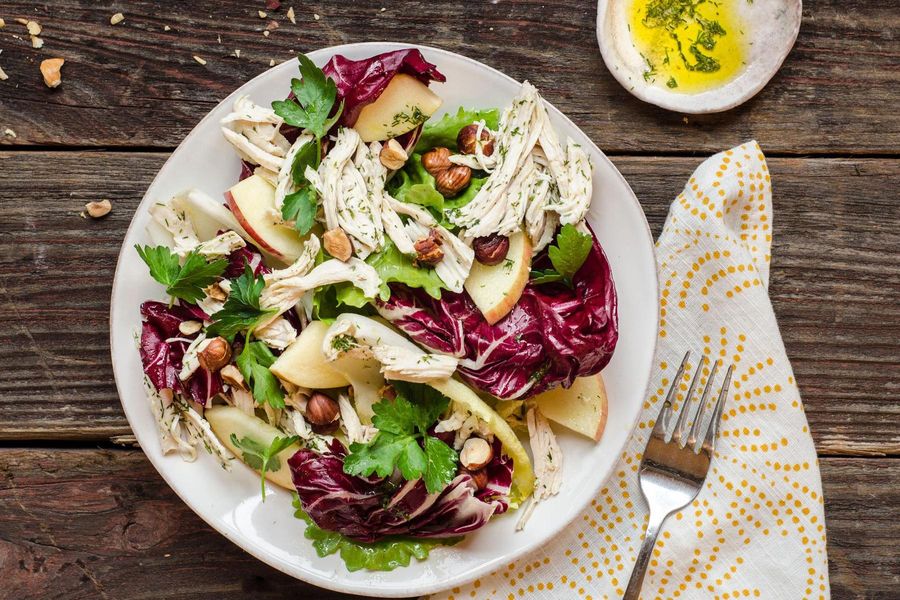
236, 210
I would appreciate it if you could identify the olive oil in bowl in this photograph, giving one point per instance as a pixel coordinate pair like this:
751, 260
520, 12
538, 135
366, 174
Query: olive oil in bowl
688, 46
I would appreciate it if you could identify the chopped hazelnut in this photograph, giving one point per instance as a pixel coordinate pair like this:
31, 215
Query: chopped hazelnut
98, 209
428, 249
116, 18
262, 14
291, 16
479, 478
2, 23
337, 244
231, 375
199, 60
3, 75
190, 327
450, 182
37, 42
436, 160
393, 156
215, 355
50, 69
34, 28
476, 453
321, 409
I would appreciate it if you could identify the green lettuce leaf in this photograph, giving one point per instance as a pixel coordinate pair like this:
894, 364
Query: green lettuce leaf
444, 131
393, 267
383, 555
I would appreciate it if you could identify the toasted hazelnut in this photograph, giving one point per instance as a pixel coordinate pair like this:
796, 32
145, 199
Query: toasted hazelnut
491, 250
337, 244
190, 327
466, 142
479, 478
453, 180
428, 249
50, 69
216, 292
476, 453
215, 355
98, 209
392, 155
436, 160
321, 409
231, 375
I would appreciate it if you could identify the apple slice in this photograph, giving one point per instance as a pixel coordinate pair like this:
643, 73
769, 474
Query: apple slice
227, 420
304, 364
209, 216
581, 408
404, 104
252, 201
496, 289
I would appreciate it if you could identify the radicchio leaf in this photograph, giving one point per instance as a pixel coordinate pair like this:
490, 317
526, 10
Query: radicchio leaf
162, 355
552, 335
360, 82
368, 509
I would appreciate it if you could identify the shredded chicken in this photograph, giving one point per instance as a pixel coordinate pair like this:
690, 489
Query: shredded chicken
173, 217
191, 361
547, 462
532, 181
347, 182
253, 130
464, 424
479, 160
283, 294
284, 182
363, 338
356, 431
243, 400
277, 334
222, 245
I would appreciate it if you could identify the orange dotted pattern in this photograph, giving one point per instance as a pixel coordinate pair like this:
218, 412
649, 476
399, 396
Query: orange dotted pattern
757, 528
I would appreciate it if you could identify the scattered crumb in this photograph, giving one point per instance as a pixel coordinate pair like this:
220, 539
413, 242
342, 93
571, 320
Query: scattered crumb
272, 25
271, 62
34, 28
290, 15
219, 38
51, 70
167, 28
490, 28
316, 17
22, 21
266, 33
262, 14
3, 75
199, 60
95, 210
9, 133
273, 4
383, 9
685, 119
116, 19
36, 42
237, 53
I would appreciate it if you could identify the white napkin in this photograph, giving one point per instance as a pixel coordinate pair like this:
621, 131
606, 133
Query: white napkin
757, 529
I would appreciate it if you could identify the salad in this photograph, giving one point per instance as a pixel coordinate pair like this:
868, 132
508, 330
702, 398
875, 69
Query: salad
384, 309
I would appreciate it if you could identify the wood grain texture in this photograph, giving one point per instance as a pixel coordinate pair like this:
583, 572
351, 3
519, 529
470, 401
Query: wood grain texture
88, 524
135, 84
835, 281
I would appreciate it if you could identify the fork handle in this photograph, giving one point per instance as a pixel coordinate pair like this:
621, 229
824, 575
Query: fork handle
633, 591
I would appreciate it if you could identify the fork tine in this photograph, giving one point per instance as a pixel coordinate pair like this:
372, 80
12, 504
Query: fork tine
678, 433
709, 440
665, 413
698, 419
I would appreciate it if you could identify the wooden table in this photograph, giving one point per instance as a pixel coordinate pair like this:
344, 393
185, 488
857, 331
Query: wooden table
82, 516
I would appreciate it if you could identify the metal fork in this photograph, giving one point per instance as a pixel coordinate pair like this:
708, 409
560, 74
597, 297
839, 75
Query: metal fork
675, 465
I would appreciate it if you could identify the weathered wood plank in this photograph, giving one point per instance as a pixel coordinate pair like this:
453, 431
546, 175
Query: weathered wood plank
102, 524
135, 84
835, 282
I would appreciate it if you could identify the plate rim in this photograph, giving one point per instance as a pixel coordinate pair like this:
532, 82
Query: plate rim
335, 584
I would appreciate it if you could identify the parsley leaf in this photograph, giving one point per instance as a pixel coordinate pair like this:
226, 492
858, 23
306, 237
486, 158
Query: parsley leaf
186, 281
301, 207
241, 310
403, 441
571, 250
314, 98
254, 362
261, 458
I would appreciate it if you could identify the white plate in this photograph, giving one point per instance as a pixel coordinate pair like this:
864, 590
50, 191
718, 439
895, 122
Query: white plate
230, 501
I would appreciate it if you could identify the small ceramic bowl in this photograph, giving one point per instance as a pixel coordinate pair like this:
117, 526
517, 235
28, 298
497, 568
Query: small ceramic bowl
770, 28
